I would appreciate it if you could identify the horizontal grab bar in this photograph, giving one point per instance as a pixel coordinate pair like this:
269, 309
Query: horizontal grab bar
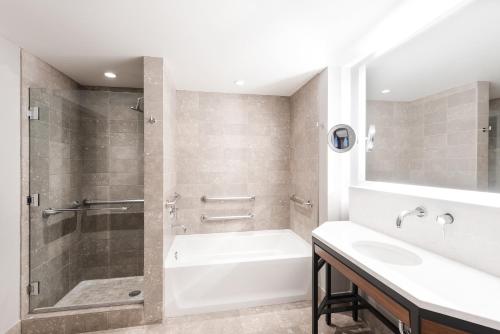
51, 211
301, 202
229, 198
122, 208
121, 201
205, 218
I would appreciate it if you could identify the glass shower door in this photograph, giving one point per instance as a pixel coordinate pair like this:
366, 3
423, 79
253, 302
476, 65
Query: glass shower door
83, 254
53, 185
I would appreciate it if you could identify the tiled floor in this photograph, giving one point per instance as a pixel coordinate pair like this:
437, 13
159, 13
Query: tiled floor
292, 318
112, 291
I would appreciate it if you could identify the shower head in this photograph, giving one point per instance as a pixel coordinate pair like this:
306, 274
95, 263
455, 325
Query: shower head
139, 105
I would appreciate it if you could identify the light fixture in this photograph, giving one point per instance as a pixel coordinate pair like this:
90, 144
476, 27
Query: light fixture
110, 75
386, 91
239, 82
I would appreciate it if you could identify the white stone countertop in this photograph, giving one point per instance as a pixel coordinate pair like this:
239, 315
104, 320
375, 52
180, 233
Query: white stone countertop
429, 280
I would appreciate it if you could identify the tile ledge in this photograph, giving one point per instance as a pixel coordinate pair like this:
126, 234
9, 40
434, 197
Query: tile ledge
83, 311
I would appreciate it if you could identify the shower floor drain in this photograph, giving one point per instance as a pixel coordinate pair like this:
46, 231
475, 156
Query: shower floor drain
134, 293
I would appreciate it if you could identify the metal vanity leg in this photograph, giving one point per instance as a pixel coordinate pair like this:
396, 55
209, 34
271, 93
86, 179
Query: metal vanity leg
355, 303
415, 322
328, 289
315, 317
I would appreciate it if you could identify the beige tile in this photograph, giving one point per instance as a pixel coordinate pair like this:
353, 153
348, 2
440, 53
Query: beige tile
286, 318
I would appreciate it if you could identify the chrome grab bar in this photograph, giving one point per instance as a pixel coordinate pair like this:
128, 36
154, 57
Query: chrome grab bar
51, 211
173, 201
122, 201
122, 208
205, 218
301, 202
227, 199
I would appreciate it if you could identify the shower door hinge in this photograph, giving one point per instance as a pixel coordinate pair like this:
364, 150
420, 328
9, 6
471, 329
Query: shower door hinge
33, 113
33, 200
34, 288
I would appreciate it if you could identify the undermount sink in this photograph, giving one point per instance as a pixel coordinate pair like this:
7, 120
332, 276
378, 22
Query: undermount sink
387, 253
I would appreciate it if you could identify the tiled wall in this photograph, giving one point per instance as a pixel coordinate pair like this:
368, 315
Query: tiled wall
434, 140
54, 167
169, 166
493, 147
87, 144
153, 189
112, 139
228, 145
306, 106
395, 135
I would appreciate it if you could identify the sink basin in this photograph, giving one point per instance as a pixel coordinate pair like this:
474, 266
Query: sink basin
387, 253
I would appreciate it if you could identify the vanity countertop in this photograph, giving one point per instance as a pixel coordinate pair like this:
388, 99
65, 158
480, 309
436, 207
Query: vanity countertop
429, 280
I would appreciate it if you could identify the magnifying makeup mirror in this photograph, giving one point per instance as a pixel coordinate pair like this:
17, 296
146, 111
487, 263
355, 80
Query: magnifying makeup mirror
341, 138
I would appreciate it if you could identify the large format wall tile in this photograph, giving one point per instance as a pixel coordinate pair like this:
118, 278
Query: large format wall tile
112, 142
72, 156
433, 140
229, 145
54, 167
304, 154
153, 189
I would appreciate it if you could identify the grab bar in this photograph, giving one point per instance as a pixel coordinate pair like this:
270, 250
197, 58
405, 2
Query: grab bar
173, 201
121, 201
205, 218
227, 199
51, 211
301, 202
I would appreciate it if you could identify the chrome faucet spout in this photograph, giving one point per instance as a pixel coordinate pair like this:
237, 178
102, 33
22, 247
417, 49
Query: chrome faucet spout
418, 211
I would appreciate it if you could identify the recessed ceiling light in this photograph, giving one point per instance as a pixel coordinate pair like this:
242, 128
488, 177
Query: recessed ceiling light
239, 82
386, 91
110, 75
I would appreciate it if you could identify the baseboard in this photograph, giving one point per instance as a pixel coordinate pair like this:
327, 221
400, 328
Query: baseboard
16, 329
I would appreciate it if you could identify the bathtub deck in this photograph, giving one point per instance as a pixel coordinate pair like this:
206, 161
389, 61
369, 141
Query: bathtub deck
293, 318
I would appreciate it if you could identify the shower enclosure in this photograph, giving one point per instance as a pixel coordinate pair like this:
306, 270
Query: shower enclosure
86, 198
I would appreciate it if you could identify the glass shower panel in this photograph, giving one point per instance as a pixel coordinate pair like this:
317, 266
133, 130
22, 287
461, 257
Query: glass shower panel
86, 211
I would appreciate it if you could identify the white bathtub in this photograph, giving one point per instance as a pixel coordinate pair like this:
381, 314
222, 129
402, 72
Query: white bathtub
226, 271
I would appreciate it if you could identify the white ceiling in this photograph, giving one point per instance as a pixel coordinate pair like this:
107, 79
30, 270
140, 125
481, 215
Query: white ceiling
274, 45
460, 49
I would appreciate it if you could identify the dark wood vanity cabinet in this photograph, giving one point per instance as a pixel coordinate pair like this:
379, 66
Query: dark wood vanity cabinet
431, 327
411, 317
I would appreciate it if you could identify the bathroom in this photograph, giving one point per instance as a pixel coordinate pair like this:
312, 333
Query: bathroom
231, 166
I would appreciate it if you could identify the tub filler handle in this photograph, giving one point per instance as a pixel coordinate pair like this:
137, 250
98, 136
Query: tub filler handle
205, 218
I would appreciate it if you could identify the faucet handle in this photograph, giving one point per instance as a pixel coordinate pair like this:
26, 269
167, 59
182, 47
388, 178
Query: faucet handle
443, 220
420, 211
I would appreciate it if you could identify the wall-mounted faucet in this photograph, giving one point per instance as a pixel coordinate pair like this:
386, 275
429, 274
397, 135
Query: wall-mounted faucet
419, 211
172, 206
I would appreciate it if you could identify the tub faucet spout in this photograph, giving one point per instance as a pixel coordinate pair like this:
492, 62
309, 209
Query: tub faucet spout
418, 211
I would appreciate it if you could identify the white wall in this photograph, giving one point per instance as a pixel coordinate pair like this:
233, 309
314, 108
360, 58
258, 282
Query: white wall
472, 239
10, 176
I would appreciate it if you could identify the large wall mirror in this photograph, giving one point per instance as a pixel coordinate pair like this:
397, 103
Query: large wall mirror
435, 104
